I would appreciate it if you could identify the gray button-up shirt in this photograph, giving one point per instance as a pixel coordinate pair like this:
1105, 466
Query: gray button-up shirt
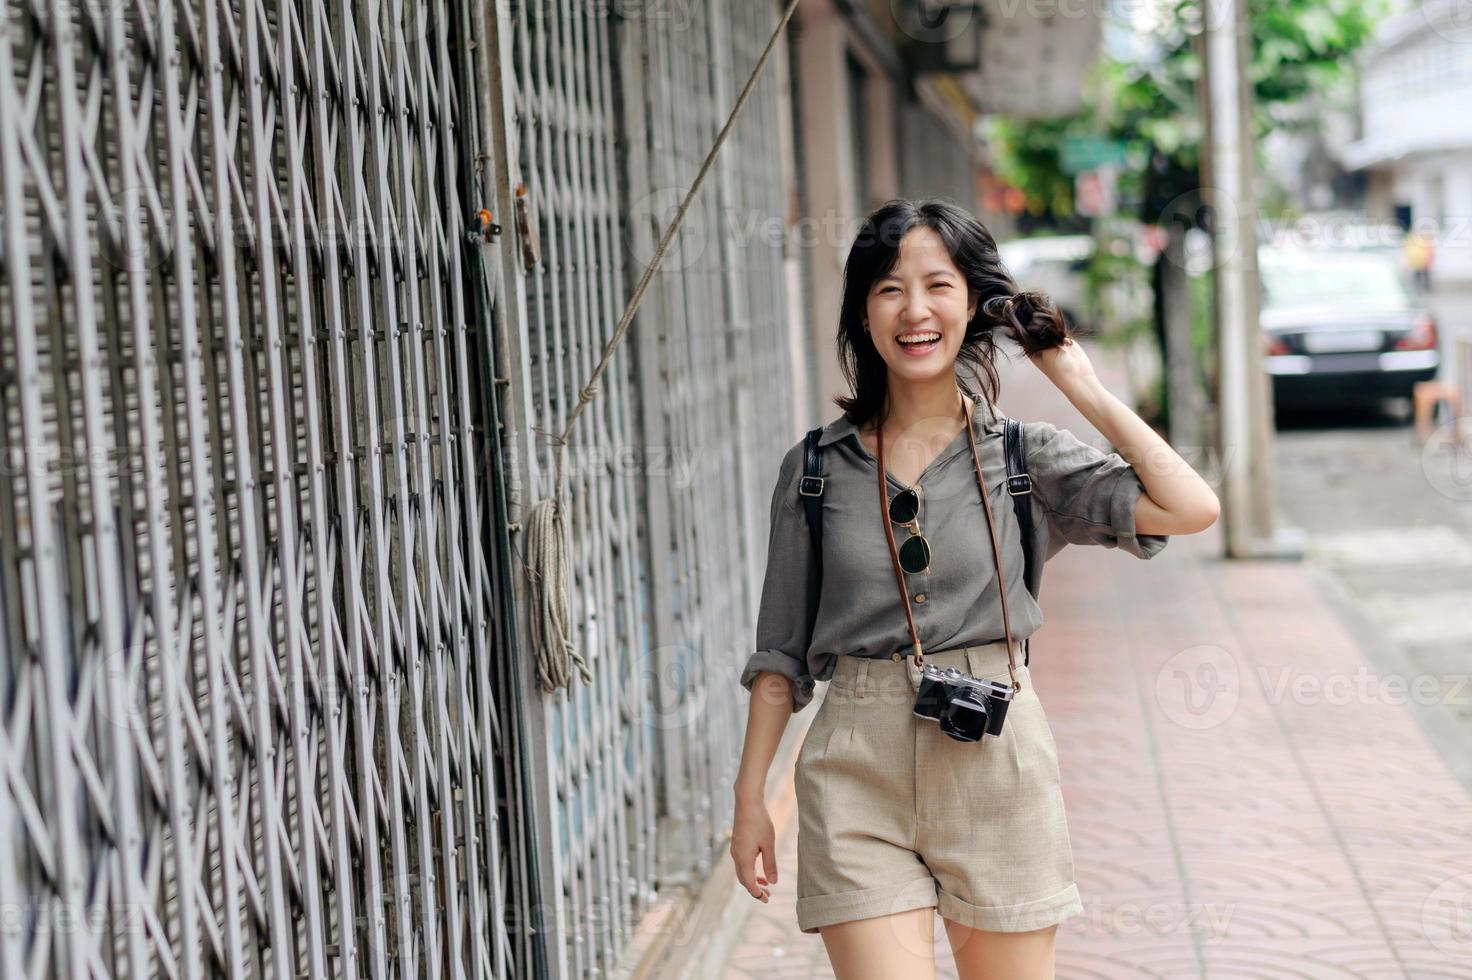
1080, 496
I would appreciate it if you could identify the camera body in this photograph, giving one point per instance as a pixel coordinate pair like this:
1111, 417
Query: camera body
966, 707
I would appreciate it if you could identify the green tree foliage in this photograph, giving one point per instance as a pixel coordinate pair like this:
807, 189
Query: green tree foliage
1299, 47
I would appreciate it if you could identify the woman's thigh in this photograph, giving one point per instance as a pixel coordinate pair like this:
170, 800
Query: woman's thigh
884, 947
984, 955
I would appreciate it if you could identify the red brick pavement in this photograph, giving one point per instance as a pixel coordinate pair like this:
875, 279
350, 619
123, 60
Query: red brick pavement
1246, 796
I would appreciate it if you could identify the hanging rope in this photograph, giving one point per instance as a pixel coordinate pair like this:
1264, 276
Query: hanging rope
557, 655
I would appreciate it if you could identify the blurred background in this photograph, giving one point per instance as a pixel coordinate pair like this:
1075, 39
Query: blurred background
298, 301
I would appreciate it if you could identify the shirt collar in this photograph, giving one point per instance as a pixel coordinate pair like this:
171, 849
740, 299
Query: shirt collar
990, 420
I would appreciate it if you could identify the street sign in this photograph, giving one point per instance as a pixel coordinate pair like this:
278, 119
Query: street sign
1082, 153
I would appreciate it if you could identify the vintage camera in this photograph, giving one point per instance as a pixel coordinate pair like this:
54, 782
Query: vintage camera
966, 707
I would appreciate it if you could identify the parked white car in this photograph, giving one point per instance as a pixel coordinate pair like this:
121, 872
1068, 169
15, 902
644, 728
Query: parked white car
1054, 265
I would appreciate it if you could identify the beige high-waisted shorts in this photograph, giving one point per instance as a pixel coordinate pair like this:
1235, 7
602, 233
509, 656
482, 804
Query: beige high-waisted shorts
895, 815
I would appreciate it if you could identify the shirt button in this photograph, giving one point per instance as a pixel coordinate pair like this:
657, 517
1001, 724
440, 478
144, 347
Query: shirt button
919, 596
896, 656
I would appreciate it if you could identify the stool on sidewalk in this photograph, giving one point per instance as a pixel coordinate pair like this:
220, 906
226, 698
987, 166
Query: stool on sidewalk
1427, 395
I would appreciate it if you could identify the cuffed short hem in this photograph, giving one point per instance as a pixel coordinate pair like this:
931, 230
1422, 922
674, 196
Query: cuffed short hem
817, 911
1037, 914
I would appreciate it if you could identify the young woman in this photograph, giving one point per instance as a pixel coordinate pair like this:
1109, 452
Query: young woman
897, 817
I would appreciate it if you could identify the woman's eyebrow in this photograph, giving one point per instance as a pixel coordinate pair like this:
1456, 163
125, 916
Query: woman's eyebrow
933, 272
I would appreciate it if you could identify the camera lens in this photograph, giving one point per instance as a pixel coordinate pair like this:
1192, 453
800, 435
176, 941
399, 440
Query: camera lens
964, 717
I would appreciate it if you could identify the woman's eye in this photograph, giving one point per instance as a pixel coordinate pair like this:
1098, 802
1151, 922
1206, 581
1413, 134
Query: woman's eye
934, 285
890, 289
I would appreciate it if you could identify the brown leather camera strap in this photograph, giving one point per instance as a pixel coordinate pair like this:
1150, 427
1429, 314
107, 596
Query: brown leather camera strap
899, 573
991, 526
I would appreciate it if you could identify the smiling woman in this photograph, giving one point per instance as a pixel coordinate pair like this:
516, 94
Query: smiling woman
899, 817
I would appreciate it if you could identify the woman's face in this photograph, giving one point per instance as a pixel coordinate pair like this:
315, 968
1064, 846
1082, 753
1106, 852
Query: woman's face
923, 299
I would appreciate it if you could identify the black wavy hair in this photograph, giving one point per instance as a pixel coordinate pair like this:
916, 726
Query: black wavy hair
1029, 316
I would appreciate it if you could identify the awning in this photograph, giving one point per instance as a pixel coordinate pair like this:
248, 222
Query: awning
1378, 152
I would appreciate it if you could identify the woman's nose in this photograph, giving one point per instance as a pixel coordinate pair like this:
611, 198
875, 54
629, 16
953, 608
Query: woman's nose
917, 309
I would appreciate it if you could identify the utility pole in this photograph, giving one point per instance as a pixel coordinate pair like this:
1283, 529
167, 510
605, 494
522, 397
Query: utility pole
1182, 367
1244, 398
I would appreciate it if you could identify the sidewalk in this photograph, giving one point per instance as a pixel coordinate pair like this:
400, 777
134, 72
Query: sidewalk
1246, 796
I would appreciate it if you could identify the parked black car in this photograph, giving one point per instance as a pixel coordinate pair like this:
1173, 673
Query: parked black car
1340, 327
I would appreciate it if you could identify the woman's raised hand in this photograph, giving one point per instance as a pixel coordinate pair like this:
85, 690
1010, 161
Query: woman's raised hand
1067, 366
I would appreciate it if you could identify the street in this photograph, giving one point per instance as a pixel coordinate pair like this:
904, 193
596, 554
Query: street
1391, 530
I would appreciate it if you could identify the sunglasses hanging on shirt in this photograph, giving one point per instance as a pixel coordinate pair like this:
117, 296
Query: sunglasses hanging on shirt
904, 511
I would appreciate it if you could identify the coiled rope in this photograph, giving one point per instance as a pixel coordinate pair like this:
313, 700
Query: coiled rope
547, 564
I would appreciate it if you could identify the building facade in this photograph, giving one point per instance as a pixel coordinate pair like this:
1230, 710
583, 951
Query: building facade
1417, 149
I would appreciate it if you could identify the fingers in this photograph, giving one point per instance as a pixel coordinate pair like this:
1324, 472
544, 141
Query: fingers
746, 874
769, 864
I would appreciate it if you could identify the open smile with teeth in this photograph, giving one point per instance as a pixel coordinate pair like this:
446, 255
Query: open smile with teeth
919, 339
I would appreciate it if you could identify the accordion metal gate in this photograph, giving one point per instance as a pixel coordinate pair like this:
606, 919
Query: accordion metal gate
605, 112
252, 713
271, 422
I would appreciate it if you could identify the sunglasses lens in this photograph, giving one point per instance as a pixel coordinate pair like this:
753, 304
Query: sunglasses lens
904, 507
915, 554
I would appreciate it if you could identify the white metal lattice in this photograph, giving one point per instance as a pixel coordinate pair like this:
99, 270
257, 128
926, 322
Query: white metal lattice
611, 109
247, 693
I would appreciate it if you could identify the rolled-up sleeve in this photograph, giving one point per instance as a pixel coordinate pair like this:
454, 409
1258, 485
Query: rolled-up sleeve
789, 602
1089, 496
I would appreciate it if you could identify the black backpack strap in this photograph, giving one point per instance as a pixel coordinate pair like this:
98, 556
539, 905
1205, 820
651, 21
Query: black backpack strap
810, 488
1019, 485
